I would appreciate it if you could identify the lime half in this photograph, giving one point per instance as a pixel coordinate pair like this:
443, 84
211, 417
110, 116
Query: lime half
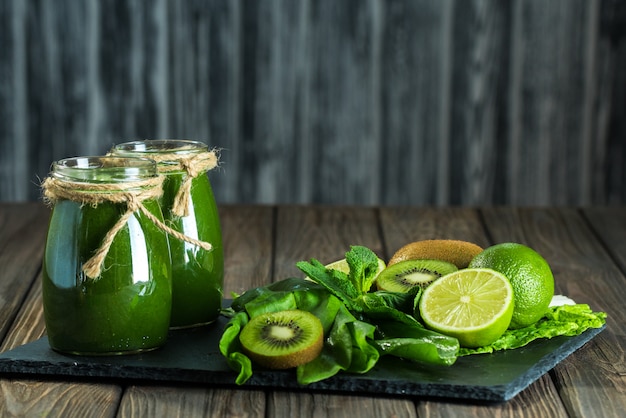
473, 305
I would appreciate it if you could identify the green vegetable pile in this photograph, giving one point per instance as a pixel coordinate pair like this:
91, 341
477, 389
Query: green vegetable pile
361, 325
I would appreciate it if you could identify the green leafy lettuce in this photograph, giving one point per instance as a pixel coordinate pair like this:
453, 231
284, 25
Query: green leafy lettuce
566, 320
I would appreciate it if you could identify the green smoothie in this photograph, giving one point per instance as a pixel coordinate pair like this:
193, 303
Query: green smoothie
124, 310
197, 274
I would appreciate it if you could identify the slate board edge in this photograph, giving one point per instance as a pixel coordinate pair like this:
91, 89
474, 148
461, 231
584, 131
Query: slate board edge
342, 383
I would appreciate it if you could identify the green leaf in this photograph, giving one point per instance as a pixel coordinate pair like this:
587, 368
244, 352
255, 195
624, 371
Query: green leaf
335, 281
271, 302
413, 342
376, 310
363, 265
289, 284
349, 347
231, 349
321, 304
567, 320
364, 353
400, 301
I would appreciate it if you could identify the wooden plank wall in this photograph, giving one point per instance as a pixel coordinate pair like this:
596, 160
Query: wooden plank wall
423, 102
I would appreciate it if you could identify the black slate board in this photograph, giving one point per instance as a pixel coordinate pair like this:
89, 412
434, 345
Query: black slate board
192, 356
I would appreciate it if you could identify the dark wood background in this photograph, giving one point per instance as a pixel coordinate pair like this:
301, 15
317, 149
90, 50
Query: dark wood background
364, 102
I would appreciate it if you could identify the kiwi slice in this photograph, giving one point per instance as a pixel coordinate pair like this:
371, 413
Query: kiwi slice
284, 339
405, 275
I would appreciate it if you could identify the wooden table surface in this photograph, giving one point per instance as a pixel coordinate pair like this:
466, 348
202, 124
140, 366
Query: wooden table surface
584, 246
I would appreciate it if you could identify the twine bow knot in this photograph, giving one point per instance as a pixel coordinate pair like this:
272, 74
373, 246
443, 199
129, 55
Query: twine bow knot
193, 167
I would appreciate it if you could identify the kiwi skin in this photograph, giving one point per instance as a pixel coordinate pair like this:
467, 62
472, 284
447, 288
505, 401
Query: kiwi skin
303, 345
405, 275
457, 252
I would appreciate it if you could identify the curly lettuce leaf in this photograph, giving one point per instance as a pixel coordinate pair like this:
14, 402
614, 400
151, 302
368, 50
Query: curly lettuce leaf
565, 320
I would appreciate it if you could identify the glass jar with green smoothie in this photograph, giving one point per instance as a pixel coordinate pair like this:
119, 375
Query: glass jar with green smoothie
106, 279
189, 207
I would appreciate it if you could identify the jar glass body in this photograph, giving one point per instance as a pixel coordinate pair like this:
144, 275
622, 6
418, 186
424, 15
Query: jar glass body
127, 308
197, 274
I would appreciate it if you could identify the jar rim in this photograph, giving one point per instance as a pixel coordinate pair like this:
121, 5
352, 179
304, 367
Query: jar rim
161, 146
104, 169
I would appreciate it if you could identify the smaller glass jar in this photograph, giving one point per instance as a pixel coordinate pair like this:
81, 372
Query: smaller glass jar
189, 207
122, 304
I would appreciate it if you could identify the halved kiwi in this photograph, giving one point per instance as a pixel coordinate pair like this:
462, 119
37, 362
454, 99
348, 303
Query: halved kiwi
405, 275
284, 339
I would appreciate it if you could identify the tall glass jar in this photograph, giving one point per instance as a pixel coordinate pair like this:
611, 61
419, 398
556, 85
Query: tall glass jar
122, 304
189, 207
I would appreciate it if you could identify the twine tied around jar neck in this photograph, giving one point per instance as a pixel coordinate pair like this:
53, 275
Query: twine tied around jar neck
193, 166
130, 193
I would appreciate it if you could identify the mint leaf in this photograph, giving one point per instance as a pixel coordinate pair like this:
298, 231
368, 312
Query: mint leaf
335, 281
363, 267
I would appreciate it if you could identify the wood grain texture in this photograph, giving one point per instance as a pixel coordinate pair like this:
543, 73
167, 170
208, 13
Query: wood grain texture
599, 374
13, 102
539, 95
22, 236
247, 235
478, 79
288, 405
330, 231
166, 402
29, 398
610, 225
204, 87
416, 101
355, 102
539, 399
28, 324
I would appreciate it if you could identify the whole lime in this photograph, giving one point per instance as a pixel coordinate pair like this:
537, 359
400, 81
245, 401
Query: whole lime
529, 274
